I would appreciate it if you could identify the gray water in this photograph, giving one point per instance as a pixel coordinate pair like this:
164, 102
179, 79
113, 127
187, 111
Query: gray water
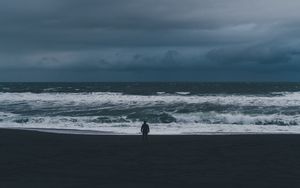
170, 108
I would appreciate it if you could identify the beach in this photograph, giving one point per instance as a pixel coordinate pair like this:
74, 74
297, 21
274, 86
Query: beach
38, 159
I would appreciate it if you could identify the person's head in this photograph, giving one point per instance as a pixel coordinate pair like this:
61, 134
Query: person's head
145, 122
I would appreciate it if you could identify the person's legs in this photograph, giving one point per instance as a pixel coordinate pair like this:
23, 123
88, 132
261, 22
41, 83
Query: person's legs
145, 137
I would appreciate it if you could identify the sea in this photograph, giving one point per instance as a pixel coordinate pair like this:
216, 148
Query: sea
174, 108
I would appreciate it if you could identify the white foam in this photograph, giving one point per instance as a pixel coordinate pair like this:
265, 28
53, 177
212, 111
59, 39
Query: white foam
237, 118
163, 129
180, 127
192, 123
183, 93
286, 99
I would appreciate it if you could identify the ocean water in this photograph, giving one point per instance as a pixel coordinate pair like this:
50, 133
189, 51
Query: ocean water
170, 108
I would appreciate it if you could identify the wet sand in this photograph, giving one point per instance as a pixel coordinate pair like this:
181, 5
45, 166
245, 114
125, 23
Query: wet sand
36, 159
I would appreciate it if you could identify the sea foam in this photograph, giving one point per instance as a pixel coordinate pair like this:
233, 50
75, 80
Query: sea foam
178, 113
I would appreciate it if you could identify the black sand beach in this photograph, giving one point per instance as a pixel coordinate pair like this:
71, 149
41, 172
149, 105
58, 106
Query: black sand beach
34, 159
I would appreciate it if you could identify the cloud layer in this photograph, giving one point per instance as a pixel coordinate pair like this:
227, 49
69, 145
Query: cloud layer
103, 40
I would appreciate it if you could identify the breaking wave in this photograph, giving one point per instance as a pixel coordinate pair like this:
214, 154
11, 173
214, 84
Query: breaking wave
177, 113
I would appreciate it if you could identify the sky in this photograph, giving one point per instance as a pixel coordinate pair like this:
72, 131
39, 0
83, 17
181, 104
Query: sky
149, 40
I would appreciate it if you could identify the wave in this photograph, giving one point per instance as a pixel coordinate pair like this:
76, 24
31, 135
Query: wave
284, 99
183, 93
238, 119
172, 128
164, 118
179, 113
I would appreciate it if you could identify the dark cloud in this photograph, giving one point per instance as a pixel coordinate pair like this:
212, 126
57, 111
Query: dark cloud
125, 38
250, 55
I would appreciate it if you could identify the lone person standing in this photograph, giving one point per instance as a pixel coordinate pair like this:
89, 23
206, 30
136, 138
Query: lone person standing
145, 130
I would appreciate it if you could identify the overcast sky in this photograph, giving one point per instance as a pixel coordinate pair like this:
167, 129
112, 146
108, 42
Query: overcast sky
149, 40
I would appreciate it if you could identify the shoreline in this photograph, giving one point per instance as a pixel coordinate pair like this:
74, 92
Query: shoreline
110, 133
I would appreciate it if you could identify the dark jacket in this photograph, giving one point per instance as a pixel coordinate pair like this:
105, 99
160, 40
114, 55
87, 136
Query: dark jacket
145, 128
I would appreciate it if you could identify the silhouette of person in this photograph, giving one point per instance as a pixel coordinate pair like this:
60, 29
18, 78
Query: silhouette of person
145, 130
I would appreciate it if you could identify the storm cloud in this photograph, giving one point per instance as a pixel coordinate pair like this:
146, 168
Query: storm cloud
142, 40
